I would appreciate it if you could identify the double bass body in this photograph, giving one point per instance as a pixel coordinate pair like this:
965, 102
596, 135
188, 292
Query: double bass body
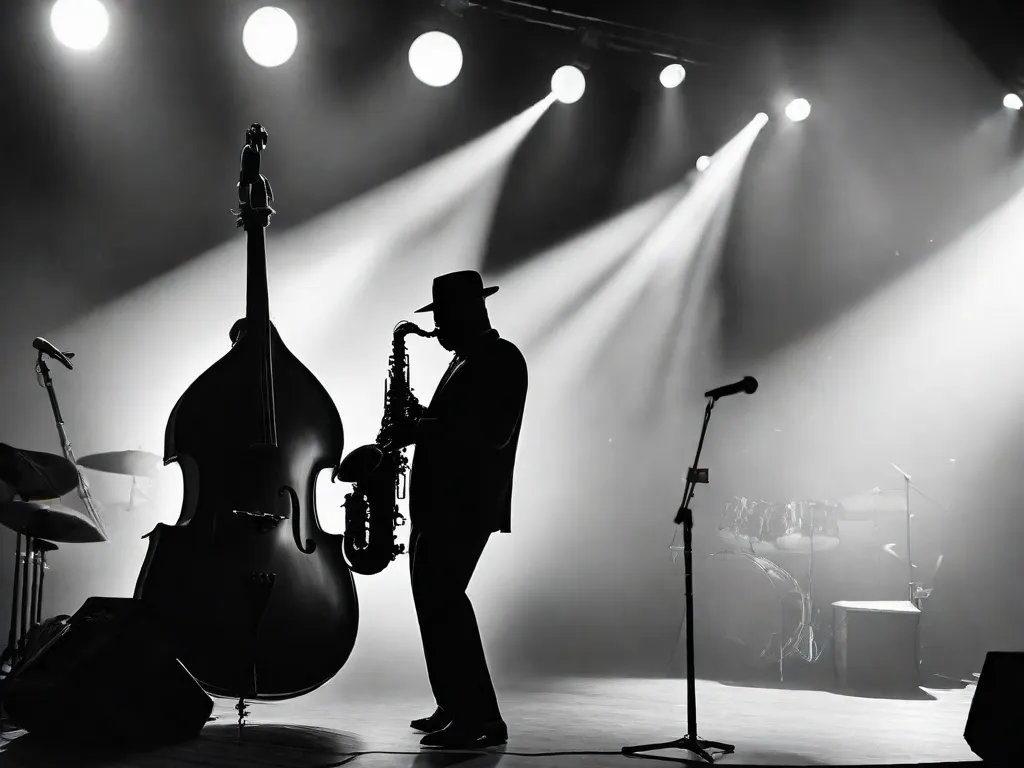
258, 596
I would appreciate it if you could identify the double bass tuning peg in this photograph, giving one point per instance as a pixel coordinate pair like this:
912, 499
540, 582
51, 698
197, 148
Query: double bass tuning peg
257, 137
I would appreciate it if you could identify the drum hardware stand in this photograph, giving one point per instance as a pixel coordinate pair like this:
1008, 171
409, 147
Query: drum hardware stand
27, 597
807, 621
690, 742
918, 592
910, 557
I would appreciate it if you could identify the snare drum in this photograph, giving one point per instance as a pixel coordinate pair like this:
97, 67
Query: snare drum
744, 607
752, 525
809, 525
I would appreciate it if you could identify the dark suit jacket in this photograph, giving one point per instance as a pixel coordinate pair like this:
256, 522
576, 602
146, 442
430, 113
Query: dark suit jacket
465, 454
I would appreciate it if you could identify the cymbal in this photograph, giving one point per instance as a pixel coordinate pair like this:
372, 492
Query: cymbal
133, 463
49, 520
36, 475
875, 503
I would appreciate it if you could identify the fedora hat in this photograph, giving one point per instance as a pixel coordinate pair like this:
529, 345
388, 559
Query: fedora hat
457, 288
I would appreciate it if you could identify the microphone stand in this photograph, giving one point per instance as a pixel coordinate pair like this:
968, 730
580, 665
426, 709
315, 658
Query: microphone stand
690, 742
43, 371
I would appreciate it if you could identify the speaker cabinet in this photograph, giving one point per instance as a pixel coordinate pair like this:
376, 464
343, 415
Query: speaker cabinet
110, 677
995, 714
876, 644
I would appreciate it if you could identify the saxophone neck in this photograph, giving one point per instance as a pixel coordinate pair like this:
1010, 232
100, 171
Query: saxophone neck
405, 327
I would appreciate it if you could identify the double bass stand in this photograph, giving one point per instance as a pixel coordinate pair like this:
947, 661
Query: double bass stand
690, 742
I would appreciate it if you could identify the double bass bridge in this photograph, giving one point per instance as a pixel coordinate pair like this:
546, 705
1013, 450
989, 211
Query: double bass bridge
263, 522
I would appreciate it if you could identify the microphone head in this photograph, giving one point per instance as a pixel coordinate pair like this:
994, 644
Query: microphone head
749, 385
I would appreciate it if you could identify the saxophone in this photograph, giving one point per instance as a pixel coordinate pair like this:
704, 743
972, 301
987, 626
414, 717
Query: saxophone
378, 476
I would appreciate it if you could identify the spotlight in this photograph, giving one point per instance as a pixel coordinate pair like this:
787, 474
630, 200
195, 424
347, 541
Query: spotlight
568, 84
270, 36
761, 119
703, 163
1012, 101
79, 24
435, 58
673, 75
798, 109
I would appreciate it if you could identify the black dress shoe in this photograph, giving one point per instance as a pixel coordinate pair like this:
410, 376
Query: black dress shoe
460, 736
440, 719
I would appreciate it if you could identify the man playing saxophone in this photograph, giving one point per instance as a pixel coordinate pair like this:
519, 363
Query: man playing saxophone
460, 492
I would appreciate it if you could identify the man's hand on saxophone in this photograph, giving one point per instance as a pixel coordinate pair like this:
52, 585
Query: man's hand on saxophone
401, 435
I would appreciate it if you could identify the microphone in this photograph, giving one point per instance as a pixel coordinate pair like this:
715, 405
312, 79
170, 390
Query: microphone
747, 384
48, 349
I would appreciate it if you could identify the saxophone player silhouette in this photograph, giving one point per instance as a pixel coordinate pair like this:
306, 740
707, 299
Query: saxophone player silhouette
460, 491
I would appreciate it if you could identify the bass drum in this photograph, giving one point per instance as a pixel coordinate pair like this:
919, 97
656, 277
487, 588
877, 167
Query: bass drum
748, 612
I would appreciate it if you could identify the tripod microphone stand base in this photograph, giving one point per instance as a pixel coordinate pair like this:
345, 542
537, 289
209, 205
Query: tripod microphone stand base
692, 744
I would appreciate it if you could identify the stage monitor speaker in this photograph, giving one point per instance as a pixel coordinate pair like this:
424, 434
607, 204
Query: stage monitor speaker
876, 645
995, 714
110, 677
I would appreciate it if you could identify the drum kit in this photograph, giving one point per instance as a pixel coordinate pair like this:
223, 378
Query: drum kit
758, 531
31, 485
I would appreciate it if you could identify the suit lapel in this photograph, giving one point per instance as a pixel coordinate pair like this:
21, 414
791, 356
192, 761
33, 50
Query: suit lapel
452, 368
457, 363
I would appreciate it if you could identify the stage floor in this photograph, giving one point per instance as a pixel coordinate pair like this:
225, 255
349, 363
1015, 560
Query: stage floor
769, 726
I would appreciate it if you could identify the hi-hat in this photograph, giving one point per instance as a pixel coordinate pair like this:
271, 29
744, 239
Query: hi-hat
36, 475
133, 463
49, 520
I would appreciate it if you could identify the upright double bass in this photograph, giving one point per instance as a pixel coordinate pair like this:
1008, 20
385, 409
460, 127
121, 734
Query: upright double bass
258, 596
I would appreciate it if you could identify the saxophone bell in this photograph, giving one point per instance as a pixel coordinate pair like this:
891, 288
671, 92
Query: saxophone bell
359, 464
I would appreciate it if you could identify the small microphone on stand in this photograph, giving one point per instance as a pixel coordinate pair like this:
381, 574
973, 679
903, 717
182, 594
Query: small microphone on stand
748, 385
48, 349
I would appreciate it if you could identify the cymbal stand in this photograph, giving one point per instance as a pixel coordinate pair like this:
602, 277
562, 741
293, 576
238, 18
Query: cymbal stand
43, 376
690, 742
39, 549
11, 654
26, 598
911, 585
